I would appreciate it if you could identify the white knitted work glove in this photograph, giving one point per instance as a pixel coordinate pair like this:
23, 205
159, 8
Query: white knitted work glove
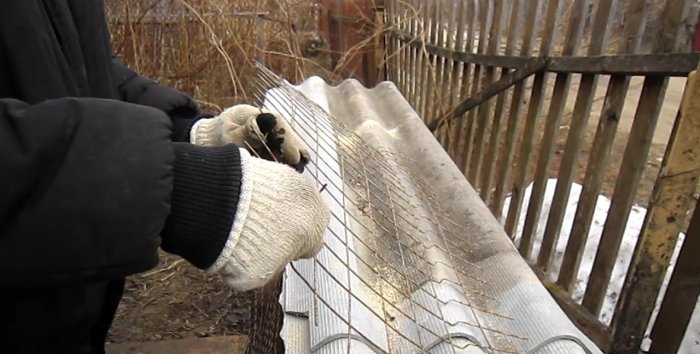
250, 127
280, 218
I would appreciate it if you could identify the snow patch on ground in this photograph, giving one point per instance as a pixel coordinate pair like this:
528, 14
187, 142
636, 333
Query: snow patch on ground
691, 342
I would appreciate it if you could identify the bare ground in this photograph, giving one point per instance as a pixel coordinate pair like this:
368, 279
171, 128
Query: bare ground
175, 301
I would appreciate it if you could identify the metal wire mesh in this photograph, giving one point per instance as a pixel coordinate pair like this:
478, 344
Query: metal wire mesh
392, 255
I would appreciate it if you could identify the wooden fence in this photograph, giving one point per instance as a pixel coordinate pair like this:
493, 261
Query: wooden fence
509, 88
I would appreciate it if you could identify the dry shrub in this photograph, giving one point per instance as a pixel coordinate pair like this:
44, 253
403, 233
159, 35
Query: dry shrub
207, 48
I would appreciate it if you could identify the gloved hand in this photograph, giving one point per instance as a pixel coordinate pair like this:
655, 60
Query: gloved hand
250, 127
280, 218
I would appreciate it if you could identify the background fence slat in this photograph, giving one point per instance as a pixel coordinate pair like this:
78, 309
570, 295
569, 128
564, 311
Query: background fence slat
551, 133
407, 23
450, 69
431, 78
423, 32
505, 166
531, 124
437, 98
405, 57
582, 109
495, 140
484, 109
457, 73
445, 68
467, 81
593, 180
432, 81
605, 133
414, 17
483, 11
397, 52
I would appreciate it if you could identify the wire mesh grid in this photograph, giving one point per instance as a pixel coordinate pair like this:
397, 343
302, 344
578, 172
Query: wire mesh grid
387, 271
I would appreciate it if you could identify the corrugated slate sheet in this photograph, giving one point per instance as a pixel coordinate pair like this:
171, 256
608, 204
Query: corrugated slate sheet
414, 262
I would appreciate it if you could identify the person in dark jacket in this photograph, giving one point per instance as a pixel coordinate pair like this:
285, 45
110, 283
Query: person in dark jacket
100, 167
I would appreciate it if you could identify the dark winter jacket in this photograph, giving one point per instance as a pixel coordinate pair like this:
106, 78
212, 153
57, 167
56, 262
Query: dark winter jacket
95, 169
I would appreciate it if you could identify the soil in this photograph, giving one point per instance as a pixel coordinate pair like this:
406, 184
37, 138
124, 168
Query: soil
175, 301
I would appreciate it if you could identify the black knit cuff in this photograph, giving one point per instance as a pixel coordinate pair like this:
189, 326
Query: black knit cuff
207, 183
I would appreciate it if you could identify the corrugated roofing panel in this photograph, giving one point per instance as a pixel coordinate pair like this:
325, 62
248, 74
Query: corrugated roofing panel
414, 262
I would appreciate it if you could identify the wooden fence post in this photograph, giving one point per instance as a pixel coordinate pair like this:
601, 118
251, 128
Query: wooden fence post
681, 294
665, 217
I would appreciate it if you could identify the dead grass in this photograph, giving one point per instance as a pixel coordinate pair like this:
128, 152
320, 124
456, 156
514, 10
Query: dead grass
207, 48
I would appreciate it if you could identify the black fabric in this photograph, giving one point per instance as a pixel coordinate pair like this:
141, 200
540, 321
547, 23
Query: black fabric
87, 163
71, 318
201, 218
60, 48
141, 90
83, 171
87, 189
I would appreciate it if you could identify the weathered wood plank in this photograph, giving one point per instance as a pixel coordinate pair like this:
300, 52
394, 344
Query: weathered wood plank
497, 126
529, 137
476, 58
484, 109
433, 90
669, 64
464, 125
211, 345
476, 84
458, 70
582, 109
664, 64
413, 60
430, 89
593, 179
444, 89
551, 133
392, 43
633, 164
636, 13
506, 164
403, 57
423, 31
681, 294
396, 54
536, 64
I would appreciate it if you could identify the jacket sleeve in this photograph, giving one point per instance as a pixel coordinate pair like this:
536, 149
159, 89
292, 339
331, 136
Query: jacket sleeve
87, 190
138, 89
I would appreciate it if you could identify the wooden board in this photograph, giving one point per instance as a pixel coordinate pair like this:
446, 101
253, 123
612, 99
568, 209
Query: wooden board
210, 345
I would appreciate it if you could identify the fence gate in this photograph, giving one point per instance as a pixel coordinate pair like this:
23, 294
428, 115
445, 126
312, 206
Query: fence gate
530, 94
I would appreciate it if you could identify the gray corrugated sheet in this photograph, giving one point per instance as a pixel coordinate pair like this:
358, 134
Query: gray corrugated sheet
441, 277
